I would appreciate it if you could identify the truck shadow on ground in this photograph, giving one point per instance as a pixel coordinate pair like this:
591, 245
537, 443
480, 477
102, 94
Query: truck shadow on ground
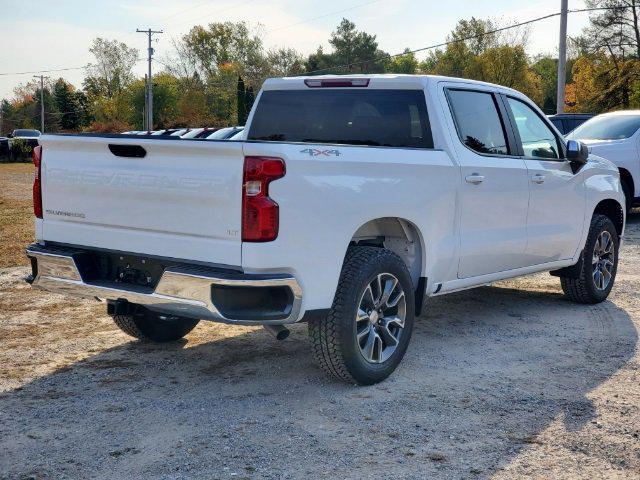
487, 371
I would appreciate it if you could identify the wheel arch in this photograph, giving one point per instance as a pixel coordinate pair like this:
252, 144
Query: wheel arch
626, 177
613, 210
403, 238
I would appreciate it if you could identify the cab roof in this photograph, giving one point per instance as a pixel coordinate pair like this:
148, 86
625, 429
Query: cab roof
385, 81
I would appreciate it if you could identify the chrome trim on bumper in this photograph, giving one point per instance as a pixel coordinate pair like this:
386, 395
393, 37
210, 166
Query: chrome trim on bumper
178, 292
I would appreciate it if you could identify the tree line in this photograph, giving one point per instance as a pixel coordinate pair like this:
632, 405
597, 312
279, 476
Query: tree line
214, 71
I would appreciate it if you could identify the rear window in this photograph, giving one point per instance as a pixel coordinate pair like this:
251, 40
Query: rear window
26, 133
387, 118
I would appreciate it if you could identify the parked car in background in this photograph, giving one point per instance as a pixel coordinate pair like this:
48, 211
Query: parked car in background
30, 136
616, 137
201, 132
224, 133
352, 200
167, 132
566, 122
193, 133
180, 132
4, 147
22, 142
237, 136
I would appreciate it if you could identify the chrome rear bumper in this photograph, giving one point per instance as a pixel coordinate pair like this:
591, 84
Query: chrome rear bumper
180, 291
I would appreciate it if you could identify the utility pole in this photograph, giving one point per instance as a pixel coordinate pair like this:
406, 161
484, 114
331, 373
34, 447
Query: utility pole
144, 108
41, 77
562, 55
149, 97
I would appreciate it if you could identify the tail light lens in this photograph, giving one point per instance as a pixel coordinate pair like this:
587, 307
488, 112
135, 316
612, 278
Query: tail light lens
260, 214
37, 188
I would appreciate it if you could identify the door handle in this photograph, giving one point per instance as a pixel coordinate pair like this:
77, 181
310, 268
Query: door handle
538, 178
474, 178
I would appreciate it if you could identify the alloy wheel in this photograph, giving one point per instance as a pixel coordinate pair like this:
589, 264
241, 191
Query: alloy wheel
380, 318
603, 260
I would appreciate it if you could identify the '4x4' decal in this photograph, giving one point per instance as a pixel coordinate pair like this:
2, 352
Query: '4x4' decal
314, 152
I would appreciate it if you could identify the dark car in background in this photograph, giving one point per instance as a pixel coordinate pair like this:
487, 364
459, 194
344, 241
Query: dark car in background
4, 147
566, 122
28, 135
21, 143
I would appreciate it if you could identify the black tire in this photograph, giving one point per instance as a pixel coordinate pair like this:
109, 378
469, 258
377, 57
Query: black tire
583, 289
628, 195
334, 337
148, 326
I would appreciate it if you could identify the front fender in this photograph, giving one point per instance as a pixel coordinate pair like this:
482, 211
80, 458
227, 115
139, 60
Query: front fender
602, 182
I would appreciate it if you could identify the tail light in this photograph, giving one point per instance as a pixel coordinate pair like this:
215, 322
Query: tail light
260, 214
37, 188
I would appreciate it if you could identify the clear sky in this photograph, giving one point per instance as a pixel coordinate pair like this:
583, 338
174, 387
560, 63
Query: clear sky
42, 35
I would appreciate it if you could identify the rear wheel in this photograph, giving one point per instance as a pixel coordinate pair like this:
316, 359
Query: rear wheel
149, 326
599, 264
367, 331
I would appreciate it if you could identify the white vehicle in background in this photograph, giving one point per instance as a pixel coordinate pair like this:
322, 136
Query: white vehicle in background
616, 137
237, 136
193, 133
348, 203
224, 133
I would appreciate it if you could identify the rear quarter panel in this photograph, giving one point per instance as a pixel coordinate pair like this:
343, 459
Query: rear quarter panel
325, 198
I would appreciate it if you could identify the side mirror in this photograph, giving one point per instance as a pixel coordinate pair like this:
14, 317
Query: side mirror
9, 135
577, 154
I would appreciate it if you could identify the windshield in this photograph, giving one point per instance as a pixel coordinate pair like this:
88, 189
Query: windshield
607, 127
26, 133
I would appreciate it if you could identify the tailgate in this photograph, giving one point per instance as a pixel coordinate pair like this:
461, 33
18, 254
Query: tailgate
181, 200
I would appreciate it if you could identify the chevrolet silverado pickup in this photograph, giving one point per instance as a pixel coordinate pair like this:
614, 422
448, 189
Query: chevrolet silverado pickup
348, 201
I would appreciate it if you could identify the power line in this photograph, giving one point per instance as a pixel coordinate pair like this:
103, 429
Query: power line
458, 40
183, 11
443, 44
42, 71
321, 16
438, 45
217, 14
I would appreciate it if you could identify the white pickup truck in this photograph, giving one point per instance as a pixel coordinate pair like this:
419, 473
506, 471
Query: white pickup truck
616, 137
349, 201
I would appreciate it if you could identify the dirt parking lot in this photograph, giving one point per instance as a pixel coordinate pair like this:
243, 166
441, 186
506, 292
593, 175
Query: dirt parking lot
508, 381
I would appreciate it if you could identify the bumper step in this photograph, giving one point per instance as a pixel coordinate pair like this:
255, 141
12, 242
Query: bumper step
181, 291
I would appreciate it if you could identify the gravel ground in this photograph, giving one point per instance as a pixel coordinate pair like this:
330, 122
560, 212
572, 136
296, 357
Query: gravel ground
509, 381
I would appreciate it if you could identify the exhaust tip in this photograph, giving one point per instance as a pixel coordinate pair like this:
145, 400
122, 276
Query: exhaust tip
280, 332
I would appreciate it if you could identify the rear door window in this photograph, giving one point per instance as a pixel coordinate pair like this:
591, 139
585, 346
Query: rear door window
386, 118
478, 122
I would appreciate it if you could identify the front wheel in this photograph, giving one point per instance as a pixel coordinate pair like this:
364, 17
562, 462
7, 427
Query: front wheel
599, 264
367, 331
